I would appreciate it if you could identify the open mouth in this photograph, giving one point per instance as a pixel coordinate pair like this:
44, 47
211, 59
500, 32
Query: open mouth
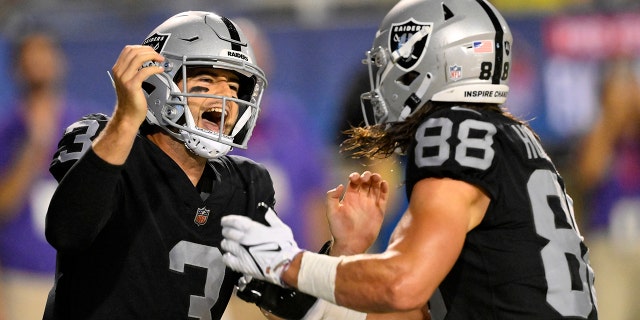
212, 119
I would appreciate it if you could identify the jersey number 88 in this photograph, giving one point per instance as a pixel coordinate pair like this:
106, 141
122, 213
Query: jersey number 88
569, 277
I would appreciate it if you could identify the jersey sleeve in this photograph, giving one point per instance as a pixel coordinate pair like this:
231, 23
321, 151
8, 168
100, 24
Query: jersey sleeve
75, 142
83, 201
456, 143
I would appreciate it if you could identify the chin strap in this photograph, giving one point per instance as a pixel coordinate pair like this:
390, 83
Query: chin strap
205, 148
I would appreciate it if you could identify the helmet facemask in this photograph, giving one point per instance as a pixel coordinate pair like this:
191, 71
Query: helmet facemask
181, 125
199, 40
380, 62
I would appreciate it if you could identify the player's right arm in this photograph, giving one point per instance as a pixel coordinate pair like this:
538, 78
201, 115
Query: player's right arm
83, 200
91, 156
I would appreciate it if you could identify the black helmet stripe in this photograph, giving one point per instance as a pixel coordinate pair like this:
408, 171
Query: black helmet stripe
233, 33
497, 74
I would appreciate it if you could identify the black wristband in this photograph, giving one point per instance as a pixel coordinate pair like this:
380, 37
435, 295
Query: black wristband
285, 303
279, 301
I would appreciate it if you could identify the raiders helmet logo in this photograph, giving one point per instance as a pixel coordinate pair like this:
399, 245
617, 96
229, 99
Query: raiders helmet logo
202, 215
401, 33
157, 41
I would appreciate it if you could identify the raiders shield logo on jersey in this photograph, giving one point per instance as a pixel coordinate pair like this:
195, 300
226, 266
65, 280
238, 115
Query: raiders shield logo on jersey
401, 33
157, 41
202, 215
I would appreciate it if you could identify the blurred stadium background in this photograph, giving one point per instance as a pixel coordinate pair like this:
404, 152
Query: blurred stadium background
559, 47
560, 50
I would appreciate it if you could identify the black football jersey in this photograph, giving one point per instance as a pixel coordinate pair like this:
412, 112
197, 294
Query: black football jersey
140, 241
526, 259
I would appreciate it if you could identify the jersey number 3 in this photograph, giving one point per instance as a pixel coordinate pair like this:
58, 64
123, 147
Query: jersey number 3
210, 258
569, 277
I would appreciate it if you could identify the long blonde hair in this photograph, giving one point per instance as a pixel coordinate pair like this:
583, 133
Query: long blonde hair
382, 140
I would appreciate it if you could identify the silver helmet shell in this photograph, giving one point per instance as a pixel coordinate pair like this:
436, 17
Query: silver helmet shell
202, 39
451, 50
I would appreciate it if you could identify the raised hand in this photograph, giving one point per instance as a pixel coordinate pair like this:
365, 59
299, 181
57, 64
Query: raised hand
128, 76
355, 219
258, 250
115, 142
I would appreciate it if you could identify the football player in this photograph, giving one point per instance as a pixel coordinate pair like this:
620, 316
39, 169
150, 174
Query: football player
135, 218
489, 232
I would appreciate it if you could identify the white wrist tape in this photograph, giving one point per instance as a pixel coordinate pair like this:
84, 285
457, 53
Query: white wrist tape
323, 310
317, 275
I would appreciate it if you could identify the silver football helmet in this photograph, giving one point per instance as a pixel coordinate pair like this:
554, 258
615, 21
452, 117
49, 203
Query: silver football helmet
203, 39
438, 50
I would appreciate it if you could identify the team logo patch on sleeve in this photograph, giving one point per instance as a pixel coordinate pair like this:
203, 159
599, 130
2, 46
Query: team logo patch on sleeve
202, 215
157, 41
401, 33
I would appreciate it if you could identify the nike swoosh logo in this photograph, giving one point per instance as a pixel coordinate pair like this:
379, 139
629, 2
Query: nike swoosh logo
265, 247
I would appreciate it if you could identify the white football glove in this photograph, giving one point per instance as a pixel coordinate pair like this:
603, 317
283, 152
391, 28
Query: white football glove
258, 250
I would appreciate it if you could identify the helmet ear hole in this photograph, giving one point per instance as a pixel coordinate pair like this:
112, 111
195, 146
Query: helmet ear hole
161, 104
408, 78
148, 88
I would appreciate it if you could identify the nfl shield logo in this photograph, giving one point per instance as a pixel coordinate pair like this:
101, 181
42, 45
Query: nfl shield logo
400, 34
455, 72
202, 215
